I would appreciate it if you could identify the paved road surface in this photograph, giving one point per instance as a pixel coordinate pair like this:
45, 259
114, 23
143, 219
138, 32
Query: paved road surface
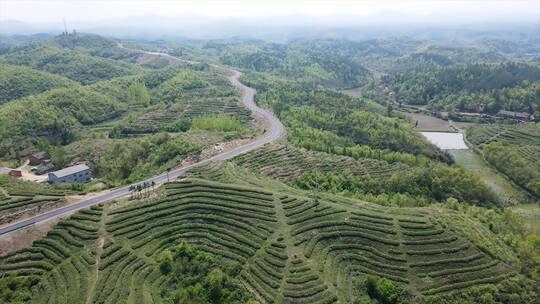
275, 132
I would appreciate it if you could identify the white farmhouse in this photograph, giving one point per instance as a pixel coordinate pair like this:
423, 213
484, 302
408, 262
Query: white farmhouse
74, 174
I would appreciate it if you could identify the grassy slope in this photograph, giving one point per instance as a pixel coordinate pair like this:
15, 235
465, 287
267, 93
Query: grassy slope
520, 149
500, 185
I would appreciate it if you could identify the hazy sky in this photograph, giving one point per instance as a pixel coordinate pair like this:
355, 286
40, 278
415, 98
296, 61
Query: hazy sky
86, 10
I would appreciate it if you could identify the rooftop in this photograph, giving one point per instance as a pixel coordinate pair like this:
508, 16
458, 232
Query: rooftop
70, 170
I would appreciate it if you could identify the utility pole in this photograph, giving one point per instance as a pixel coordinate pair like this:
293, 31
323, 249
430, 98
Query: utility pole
65, 27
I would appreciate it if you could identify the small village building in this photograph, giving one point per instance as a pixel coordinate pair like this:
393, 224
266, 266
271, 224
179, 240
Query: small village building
37, 158
15, 173
74, 174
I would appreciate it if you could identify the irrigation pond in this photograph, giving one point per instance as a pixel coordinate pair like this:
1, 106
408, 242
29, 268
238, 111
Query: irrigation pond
446, 140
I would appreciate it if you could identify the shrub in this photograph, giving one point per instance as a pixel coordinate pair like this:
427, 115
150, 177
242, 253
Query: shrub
385, 291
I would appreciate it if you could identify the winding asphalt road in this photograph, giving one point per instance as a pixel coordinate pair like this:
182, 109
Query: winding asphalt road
275, 131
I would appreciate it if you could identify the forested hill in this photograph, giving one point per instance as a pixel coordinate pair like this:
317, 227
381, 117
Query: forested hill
19, 81
352, 205
485, 88
80, 59
323, 64
55, 92
483, 76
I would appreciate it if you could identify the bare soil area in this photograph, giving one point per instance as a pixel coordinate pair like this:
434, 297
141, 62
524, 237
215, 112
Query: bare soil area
26, 213
31, 176
23, 238
428, 123
145, 58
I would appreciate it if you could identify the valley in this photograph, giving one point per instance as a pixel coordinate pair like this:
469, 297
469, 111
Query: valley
241, 170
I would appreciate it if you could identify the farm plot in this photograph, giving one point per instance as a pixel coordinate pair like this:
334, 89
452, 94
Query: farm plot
409, 248
179, 101
18, 197
290, 248
286, 163
61, 263
224, 220
167, 117
513, 149
522, 134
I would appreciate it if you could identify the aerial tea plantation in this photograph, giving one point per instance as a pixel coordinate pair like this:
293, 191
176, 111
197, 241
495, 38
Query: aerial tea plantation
512, 149
292, 247
288, 162
19, 197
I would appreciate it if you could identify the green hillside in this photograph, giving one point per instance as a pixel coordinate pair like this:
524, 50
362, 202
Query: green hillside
193, 105
17, 82
18, 197
291, 247
370, 177
321, 119
55, 115
68, 63
512, 149
484, 88
351, 205
179, 99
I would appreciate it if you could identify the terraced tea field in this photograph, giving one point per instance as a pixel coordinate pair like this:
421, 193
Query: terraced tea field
286, 163
513, 149
166, 117
212, 94
18, 197
522, 134
292, 248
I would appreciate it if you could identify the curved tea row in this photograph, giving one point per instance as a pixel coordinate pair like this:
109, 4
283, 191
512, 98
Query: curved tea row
292, 249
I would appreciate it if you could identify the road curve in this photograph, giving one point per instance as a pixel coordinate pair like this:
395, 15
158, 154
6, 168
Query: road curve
276, 130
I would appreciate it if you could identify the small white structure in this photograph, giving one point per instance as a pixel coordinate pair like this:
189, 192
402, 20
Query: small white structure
74, 174
446, 140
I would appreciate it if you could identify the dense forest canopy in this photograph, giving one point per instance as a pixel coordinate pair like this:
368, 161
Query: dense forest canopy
485, 88
53, 57
54, 114
18, 81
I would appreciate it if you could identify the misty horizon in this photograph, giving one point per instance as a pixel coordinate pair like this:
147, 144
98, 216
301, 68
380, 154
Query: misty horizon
210, 19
